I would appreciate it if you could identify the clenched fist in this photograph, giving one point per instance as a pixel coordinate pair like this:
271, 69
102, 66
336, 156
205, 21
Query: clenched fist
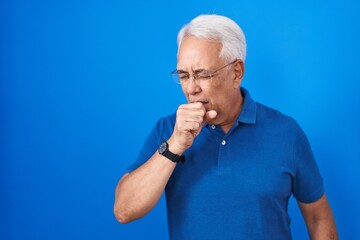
189, 122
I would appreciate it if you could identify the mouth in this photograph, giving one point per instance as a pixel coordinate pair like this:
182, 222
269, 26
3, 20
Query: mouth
201, 101
205, 103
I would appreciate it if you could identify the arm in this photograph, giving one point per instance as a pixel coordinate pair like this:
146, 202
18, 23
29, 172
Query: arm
138, 192
319, 219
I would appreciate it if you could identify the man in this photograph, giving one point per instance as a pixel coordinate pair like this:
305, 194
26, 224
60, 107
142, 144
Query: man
240, 160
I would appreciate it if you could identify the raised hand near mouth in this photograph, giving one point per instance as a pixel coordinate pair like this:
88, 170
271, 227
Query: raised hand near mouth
189, 122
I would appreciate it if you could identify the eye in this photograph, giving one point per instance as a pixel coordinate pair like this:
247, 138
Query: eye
183, 76
203, 75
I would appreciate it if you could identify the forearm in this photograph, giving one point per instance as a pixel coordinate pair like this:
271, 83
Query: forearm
323, 230
138, 192
319, 219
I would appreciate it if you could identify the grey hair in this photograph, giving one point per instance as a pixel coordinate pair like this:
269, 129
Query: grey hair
217, 28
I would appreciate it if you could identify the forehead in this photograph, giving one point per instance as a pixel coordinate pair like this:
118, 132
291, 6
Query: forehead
195, 52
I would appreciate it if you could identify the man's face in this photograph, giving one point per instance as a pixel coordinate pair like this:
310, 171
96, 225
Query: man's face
222, 90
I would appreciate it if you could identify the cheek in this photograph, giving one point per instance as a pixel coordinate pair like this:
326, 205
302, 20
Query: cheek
218, 87
209, 92
219, 94
184, 91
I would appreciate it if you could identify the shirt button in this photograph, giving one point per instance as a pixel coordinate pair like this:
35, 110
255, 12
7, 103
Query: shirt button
223, 142
213, 126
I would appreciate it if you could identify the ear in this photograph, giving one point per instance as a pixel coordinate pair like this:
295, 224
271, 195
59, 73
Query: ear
239, 70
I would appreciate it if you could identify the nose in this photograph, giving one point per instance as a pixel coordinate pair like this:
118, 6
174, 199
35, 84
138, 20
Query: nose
192, 87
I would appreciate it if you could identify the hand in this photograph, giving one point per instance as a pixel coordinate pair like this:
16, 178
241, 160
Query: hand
189, 122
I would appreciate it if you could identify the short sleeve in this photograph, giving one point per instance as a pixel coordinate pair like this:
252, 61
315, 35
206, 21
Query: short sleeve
161, 132
308, 184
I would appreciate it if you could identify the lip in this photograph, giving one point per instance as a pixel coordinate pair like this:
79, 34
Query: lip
199, 100
205, 103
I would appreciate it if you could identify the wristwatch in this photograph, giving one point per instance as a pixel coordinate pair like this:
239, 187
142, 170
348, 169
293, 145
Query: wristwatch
164, 150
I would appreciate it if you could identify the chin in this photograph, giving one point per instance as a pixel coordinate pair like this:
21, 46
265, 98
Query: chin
213, 122
208, 106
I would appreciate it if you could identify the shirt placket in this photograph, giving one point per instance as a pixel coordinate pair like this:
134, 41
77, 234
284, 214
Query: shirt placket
224, 168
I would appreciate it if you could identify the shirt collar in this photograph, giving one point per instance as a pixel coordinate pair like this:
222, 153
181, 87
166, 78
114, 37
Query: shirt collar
248, 111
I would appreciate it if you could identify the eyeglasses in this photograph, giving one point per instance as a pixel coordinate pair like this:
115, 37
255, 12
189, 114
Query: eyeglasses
182, 77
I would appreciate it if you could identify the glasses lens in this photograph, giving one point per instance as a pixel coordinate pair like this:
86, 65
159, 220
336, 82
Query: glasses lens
175, 76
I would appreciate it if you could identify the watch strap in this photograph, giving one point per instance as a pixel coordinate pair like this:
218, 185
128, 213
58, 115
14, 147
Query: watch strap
172, 156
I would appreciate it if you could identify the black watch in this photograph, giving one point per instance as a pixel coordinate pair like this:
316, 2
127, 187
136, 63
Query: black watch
164, 150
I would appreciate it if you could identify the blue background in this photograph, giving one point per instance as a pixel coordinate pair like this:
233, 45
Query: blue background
83, 82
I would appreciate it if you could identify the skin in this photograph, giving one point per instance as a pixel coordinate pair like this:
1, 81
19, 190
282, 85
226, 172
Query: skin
217, 102
319, 219
219, 99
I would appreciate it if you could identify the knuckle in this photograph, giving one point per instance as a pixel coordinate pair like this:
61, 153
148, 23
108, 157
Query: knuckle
199, 119
198, 104
180, 108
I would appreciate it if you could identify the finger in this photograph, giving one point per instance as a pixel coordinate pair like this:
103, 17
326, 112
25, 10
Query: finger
210, 115
197, 131
194, 118
191, 126
191, 114
196, 106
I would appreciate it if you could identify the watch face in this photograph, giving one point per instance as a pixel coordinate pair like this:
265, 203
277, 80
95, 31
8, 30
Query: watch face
162, 147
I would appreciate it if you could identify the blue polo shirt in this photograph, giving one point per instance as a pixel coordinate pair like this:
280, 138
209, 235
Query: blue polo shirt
237, 185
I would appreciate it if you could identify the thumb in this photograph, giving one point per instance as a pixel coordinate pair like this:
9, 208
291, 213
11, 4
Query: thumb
209, 115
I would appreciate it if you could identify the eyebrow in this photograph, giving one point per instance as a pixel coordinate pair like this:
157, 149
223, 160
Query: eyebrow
181, 71
194, 70
199, 70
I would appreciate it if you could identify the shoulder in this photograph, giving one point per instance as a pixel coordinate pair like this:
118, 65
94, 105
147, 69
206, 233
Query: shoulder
167, 121
159, 133
164, 126
274, 119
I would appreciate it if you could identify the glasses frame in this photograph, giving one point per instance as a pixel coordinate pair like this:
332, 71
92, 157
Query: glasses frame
196, 76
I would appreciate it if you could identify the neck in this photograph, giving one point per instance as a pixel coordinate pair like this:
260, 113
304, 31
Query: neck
233, 116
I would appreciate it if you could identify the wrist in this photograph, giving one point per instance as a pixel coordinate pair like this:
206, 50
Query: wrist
166, 152
174, 147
